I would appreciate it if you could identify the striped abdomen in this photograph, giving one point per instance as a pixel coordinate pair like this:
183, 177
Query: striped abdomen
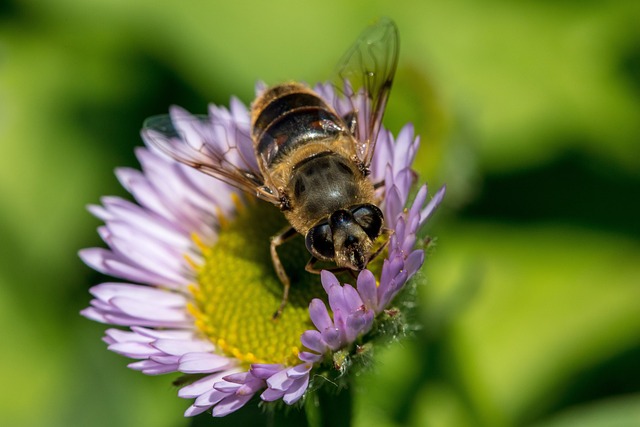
288, 116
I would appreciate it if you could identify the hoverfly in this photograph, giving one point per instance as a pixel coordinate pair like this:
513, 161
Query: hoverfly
299, 154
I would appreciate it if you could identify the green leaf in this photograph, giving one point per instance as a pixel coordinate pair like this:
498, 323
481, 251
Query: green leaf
541, 306
621, 411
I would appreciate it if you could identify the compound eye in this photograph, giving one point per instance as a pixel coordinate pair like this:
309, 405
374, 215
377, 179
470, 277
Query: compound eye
319, 242
370, 218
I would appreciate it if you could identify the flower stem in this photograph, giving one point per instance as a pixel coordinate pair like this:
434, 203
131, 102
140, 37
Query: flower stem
329, 407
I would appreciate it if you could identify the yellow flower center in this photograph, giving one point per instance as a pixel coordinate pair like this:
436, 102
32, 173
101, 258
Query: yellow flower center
238, 291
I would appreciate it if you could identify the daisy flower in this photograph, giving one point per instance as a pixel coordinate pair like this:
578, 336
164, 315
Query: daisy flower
199, 289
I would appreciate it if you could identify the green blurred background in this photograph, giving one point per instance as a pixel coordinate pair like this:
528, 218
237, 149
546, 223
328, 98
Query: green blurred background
529, 112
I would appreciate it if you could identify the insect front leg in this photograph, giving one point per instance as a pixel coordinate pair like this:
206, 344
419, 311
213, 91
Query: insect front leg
311, 267
276, 241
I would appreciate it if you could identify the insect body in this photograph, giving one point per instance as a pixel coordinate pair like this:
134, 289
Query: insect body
308, 160
310, 156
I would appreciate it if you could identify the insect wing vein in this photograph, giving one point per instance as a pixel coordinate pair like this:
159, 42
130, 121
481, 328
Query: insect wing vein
215, 145
363, 80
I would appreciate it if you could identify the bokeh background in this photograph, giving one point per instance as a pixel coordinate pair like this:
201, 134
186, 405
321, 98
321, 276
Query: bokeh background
529, 112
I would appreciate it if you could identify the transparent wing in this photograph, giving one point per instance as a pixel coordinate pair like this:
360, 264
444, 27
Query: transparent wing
363, 81
217, 145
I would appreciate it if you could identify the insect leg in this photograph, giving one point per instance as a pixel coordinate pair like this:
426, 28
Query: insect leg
379, 184
310, 267
276, 241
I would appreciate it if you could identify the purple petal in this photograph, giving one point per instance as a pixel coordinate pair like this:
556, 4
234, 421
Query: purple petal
399, 232
393, 207
201, 386
134, 350
269, 395
414, 261
195, 363
319, 315
334, 338
152, 367
209, 398
95, 315
227, 387
401, 160
146, 195
308, 357
194, 410
230, 404
403, 181
392, 289
181, 347
118, 335
166, 360
104, 261
116, 318
329, 280
352, 299
382, 155
296, 391
390, 268
264, 370
238, 377
106, 291
175, 334
339, 317
279, 380
337, 301
149, 311
367, 289
432, 205
355, 326
99, 212
418, 201
408, 244
299, 371
313, 341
